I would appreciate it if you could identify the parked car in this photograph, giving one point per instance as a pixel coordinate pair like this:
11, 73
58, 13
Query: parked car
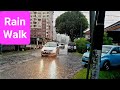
50, 49
62, 45
110, 57
71, 47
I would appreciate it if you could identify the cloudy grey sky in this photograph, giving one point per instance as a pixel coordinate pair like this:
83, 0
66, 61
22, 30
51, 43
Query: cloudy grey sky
110, 18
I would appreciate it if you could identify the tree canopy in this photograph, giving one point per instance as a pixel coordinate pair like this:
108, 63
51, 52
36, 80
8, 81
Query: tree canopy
72, 23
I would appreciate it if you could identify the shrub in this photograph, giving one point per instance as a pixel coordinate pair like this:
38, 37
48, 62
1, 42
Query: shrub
81, 44
107, 40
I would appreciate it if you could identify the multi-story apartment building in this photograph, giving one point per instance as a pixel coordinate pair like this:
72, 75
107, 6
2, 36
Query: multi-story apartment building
42, 24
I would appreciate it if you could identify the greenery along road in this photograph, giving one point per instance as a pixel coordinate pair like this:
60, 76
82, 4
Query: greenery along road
73, 23
112, 74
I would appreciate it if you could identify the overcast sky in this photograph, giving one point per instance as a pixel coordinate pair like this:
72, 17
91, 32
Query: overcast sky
110, 18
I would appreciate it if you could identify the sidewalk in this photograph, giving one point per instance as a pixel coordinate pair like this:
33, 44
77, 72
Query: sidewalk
18, 56
14, 53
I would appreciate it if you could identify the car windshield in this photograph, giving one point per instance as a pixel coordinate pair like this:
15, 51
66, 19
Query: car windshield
106, 49
51, 44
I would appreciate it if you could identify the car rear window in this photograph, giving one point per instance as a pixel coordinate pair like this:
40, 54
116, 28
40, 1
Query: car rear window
71, 44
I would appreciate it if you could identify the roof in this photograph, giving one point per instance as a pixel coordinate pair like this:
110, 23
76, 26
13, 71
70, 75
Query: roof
86, 30
114, 26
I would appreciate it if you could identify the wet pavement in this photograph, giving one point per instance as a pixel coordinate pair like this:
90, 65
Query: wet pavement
64, 66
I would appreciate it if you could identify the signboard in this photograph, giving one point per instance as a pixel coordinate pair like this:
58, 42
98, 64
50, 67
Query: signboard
15, 27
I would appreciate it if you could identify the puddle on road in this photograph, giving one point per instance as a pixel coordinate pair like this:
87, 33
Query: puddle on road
52, 70
44, 68
50, 67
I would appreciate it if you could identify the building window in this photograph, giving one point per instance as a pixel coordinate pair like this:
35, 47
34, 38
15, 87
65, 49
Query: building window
35, 16
39, 15
35, 19
34, 22
47, 12
34, 25
43, 12
39, 19
48, 26
47, 15
43, 15
39, 26
39, 12
35, 12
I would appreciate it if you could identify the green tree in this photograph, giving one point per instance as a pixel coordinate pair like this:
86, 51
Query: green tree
107, 40
71, 23
81, 44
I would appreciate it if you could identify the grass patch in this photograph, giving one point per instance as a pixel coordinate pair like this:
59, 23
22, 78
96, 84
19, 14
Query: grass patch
81, 74
112, 74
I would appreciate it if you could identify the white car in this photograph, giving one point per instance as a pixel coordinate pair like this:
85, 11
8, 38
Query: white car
50, 49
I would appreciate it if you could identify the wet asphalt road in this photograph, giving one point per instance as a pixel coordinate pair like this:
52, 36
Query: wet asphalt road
64, 66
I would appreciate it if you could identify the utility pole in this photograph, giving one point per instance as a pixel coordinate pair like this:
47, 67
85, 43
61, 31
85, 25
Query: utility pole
92, 23
97, 43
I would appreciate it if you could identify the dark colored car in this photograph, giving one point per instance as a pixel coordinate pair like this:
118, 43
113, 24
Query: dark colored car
71, 47
62, 45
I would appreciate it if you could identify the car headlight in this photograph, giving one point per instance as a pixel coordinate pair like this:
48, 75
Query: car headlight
53, 51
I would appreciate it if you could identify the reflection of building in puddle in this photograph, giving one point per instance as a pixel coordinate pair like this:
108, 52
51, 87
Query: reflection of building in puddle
41, 65
52, 70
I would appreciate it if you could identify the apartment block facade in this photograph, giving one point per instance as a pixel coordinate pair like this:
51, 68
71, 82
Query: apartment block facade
42, 24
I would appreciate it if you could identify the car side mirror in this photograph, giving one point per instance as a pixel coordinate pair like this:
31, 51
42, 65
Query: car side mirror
114, 52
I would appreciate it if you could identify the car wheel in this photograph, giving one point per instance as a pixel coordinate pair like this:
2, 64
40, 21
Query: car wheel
106, 65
